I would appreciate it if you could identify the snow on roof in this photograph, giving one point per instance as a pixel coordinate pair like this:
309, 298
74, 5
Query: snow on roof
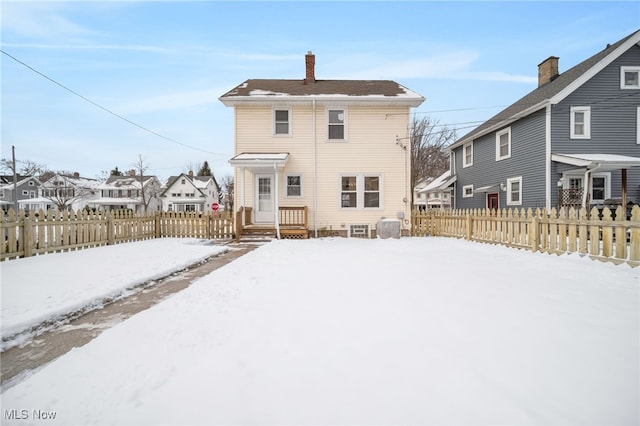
437, 182
599, 161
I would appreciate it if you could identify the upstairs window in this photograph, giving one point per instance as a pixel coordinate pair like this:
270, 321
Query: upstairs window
336, 120
282, 124
503, 144
580, 122
467, 154
630, 77
467, 191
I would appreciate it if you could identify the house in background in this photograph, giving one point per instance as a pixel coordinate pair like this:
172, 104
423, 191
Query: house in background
189, 193
28, 189
573, 141
335, 149
64, 192
438, 192
133, 192
419, 198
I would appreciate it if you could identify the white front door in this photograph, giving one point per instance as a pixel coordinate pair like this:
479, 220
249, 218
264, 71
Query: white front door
264, 199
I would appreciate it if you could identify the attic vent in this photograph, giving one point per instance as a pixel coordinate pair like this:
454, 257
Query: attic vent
359, 231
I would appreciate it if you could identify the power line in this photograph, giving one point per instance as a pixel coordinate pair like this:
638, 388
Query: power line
106, 109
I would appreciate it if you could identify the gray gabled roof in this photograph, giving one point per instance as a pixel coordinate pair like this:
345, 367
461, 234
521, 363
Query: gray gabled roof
538, 98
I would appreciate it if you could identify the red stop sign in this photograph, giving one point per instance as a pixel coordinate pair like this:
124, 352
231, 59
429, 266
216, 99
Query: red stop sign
215, 207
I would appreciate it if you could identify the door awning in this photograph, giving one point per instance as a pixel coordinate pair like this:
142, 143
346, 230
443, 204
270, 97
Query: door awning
601, 162
260, 160
489, 188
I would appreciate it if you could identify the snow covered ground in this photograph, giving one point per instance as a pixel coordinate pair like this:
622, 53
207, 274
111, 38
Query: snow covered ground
48, 288
349, 331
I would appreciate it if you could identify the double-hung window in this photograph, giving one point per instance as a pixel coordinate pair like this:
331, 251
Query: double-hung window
336, 119
630, 77
467, 191
580, 122
514, 191
294, 185
361, 191
282, 121
467, 154
503, 144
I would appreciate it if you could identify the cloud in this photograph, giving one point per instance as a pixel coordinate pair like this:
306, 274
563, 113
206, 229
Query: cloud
40, 20
85, 46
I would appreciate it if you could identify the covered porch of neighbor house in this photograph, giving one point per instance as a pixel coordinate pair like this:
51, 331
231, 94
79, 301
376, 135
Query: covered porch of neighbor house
260, 212
590, 183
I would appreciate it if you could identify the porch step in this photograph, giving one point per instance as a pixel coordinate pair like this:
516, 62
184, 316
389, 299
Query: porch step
258, 235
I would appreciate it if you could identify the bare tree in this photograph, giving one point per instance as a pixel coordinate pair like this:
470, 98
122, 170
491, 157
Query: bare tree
24, 168
148, 192
429, 141
64, 189
227, 186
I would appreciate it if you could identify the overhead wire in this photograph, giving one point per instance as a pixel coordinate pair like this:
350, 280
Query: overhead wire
153, 132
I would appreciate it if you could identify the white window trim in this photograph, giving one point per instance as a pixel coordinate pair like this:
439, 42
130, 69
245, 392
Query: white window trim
360, 191
506, 131
286, 185
468, 145
587, 122
346, 121
624, 69
281, 135
638, 125
464, 191
510, 182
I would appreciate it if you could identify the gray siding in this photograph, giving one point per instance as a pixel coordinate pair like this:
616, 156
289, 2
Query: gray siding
527, 160
613, 123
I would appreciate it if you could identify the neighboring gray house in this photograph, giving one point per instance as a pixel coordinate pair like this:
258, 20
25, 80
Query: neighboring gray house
573, 141
28, 187
129, 192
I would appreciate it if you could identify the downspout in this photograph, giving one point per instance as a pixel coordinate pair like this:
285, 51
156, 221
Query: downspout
276, 201
244, 201
315, 171
547, 170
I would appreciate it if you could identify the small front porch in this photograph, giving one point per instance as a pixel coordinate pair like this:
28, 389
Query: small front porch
292, 224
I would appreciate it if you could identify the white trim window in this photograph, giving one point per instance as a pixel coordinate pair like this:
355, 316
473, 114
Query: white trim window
293, 183
580, 122
630, 77
361, 191
503, 144
467, 191
282, 121
514, 191
336, 124
467, 154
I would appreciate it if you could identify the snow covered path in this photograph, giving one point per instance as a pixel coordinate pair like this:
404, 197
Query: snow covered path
347, 331
47, 287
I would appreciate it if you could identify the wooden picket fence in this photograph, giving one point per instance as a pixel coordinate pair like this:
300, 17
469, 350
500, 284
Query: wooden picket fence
28, 235
595, 233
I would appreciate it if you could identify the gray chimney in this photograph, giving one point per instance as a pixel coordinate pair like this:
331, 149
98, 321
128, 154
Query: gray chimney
548, 70
310, 61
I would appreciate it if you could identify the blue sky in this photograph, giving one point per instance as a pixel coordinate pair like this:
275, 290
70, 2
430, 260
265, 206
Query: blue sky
162, 65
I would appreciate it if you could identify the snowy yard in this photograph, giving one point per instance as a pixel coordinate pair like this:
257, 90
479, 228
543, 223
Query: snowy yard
349, 331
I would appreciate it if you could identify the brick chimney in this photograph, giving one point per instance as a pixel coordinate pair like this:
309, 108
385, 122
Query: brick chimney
548, 70
76, 175
132, 172
310, 61
190, 173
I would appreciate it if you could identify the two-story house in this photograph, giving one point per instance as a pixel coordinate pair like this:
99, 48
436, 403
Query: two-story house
189, 193
437, 193
573, 141
338, 148
133, 192
65, 192
27, 189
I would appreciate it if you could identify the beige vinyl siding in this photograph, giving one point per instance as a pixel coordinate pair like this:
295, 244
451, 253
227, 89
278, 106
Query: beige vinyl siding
370, 149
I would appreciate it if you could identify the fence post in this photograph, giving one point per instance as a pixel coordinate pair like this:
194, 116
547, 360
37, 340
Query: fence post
534, 232
28, 235
111, 229
634, 237
158, 225
469, 226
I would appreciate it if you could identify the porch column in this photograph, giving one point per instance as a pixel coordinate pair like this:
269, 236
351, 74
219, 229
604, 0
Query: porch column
276, 202
586, 186
624, 190
244, 206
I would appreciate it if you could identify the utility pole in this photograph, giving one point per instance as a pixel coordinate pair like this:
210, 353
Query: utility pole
15, 179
